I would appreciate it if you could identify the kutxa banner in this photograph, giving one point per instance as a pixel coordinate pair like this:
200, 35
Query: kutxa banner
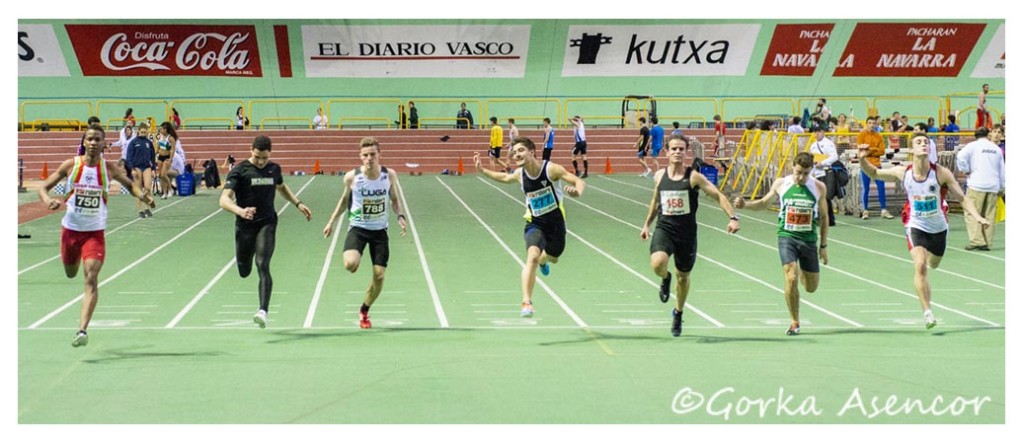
908, 49
149, 50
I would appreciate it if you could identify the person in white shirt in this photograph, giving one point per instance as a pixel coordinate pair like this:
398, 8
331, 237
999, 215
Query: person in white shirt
824, 151
983, 161
794, 126
319, 121
124, 137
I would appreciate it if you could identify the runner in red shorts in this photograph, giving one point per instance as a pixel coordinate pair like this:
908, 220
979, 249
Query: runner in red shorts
81, 240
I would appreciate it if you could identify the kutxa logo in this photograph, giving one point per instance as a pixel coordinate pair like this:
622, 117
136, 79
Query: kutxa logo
25, 51
658, 52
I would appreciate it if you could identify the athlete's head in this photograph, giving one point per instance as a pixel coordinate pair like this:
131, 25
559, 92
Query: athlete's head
95, 138
143, 129
677, 145
803, 163
494, 120
369, 151
522, 150
920, 145
547, 121
261, 147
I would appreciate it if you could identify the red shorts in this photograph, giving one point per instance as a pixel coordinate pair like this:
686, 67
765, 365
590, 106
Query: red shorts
76, 246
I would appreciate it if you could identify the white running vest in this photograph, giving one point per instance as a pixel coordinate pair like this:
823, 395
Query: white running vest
370, 199
86, 199
925, 202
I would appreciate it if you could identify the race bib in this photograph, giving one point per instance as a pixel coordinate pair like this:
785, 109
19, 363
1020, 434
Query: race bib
675, 202
798, 219
541, 202
87, 201
374, 208
924, 206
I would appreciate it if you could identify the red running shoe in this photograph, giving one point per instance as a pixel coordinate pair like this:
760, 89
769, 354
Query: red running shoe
364, 320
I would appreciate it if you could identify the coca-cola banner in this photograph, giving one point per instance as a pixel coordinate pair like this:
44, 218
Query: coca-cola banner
147, 50
796, 49
908, 49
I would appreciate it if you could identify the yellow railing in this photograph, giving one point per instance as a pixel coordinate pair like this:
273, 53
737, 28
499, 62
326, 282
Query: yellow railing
836, 105
229, 108
34, 103
55, 124
972, 115
228, 122
313, 102
695, 102
901, 100
521, 120
479, 118
424, 120
364, 103
164, 107
786, 106
666, 120
342, 120
619, 119
304, 120
557, 105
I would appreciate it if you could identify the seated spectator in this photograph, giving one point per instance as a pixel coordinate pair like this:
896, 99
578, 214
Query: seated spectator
951, 141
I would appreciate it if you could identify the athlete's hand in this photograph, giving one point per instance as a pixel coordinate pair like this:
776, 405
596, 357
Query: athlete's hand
305, 211
151, 202
571, 191
328, 229
739, 202
983, 222
734, 226
53, 204
823, 254
401, 222
248, 213
645, 233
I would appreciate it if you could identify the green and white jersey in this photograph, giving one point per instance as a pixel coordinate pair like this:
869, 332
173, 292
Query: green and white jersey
370, 198
798, 214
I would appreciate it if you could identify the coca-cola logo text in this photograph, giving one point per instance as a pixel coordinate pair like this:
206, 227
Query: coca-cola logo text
203, 51
145, 50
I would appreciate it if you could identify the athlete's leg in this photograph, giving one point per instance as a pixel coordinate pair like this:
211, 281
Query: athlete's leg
266, 239
810, 280
529, 274
682, 289
245, 249
92, 273
791, 272
922, 259
376, 284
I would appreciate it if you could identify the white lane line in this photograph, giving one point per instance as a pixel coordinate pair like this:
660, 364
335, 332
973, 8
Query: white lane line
126, 306
247, 325
106, 234
311, 312
622, 265
831, 269
575, 318
71, 303
423, 260
224, 270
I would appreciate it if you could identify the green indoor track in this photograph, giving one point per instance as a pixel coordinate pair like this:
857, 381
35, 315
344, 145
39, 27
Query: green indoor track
172, 339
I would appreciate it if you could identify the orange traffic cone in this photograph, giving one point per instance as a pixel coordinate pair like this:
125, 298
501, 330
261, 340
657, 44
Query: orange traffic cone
460, 169
46, 171
316, 167
607, 165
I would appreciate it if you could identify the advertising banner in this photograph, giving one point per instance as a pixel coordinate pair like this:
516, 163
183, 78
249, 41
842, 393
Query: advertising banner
39, 54
658, 50
442, 51
908, 49
183, 50
796, 49
992, 63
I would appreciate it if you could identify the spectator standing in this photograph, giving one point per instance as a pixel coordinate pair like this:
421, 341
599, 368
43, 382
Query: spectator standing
414, 117
825, 155
579, 149
129, 119
984, 117
872, 142
464, 118
983, 162
241, 120
175, 118
643, 146
951, 128
549, 139
319, 120
657, 140
719, 134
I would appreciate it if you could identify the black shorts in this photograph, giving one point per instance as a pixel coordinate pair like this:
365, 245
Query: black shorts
682, 247
495, 152
934, 243
546, 155
162, 157
550, 239
357, 239
791, 250
580, 148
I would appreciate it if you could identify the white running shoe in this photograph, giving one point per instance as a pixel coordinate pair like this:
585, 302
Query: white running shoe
929, 320
81, 339
260, 319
